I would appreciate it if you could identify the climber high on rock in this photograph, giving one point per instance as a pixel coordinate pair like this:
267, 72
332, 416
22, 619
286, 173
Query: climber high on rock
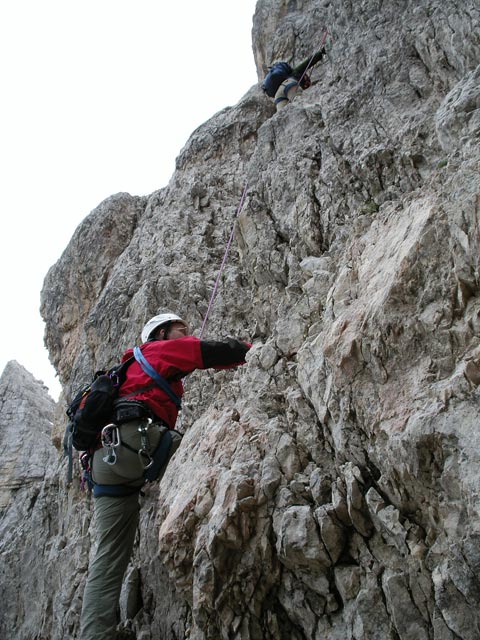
282, 80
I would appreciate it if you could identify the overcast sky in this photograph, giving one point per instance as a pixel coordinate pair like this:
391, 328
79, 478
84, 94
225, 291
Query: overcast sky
98, 97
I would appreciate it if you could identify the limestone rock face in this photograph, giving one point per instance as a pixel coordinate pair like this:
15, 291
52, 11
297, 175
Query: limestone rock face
26, 421
328, 489
28, 500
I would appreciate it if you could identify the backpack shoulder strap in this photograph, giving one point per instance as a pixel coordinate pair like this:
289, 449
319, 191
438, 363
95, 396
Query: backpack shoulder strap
159, 379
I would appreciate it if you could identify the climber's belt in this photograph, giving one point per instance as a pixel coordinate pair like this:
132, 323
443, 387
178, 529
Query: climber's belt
127, 410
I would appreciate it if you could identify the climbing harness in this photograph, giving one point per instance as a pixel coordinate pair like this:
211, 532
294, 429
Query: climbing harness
286, 89
224, 261
152, 458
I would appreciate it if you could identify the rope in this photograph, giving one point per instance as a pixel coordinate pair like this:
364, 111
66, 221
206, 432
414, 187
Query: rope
310, 61
242, 200
217, 282
224, 261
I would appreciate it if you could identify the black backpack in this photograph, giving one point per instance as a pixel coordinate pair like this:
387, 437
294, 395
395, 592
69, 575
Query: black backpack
93, 407
277, 73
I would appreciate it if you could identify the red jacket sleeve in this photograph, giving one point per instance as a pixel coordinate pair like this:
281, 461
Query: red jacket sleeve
174, 359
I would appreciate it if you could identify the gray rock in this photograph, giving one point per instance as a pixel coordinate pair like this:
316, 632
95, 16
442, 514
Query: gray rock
328, 488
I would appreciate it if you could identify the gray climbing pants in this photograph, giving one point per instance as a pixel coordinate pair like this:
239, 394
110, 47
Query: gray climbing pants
116, 524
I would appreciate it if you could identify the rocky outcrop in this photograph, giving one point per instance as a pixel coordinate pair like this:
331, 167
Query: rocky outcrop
28, 501
328, 488
26, 420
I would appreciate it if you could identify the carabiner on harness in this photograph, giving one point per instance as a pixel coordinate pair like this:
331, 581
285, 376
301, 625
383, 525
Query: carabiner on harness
144, 456
144, 451
110, 441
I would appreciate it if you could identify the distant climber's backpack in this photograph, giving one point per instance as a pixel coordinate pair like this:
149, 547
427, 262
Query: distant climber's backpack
277, 73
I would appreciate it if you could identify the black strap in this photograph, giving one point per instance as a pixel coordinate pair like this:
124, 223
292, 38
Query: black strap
114, 490
137, 392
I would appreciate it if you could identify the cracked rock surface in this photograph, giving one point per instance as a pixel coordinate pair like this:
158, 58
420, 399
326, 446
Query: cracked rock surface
328, 489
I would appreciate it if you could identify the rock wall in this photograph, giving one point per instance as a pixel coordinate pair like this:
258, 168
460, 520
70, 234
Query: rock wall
30, 514
328, 489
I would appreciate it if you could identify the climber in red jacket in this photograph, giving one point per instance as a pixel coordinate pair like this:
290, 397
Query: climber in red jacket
174, 360
136, 448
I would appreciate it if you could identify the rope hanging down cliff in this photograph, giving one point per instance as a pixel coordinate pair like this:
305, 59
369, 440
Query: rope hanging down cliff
224, 261
310, 62
295, 78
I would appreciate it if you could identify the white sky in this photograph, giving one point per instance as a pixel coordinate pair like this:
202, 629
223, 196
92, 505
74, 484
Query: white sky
97, 97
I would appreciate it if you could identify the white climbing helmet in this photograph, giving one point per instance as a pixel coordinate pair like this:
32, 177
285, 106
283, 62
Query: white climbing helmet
157, 321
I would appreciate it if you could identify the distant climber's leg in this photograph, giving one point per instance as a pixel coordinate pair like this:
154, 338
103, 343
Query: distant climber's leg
116, 524
285, 92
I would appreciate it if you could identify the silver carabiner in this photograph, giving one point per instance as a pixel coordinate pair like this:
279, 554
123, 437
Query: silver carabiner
145, 426
111, 436
110, 441
142, 455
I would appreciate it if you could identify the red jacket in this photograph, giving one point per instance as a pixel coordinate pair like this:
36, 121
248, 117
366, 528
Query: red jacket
174, 359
